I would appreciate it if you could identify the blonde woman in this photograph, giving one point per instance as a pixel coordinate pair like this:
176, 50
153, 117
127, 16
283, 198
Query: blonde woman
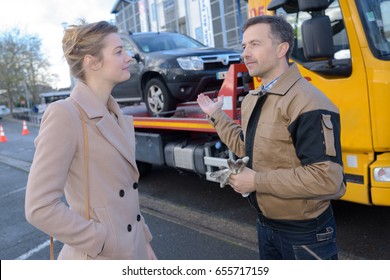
115, 228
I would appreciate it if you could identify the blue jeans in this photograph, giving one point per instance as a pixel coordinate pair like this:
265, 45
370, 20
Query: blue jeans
298, 240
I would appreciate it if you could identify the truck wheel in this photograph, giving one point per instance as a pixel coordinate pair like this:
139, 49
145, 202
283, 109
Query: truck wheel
144, 168
158, 99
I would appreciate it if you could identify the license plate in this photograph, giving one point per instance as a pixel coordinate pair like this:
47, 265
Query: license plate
221, 75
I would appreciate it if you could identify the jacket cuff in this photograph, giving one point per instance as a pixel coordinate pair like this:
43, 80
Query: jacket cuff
215, 117
260, 181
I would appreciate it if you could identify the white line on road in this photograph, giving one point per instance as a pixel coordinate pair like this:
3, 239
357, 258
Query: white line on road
34, 250
14, 191
17, 163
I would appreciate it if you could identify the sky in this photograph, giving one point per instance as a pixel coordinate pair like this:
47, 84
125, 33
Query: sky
45, 18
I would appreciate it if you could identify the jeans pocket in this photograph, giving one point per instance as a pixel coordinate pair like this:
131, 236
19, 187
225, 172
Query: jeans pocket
324, 250
327, 235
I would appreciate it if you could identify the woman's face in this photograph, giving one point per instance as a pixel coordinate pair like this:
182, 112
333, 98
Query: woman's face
115, 60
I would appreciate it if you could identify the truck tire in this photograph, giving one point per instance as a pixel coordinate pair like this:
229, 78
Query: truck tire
158, 99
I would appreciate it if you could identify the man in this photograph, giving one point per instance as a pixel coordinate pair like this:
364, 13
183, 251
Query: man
291, 132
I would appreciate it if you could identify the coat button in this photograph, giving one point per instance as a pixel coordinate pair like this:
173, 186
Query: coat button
121, 193
135, 185
138, 217
128, 228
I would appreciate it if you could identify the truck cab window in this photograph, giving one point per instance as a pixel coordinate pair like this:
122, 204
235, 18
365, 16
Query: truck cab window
340, 38
375, 19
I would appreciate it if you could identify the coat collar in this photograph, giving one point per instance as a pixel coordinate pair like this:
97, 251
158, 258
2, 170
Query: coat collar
119, 133
284, 83
91, 104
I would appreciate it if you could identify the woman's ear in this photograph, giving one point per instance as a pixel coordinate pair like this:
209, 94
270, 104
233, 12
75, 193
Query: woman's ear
91, 62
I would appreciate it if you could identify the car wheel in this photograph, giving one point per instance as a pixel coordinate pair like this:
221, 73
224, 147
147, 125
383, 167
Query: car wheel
158, 99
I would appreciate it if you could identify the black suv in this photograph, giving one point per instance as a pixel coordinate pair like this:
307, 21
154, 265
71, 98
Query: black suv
171, 68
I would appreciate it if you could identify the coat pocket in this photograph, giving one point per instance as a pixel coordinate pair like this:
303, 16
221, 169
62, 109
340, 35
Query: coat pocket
110, 244
327, 128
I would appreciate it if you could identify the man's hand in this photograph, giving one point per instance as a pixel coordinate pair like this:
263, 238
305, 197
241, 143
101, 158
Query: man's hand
207, 105
243, 182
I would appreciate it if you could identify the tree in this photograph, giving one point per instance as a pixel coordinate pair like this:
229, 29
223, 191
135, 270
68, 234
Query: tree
23, 67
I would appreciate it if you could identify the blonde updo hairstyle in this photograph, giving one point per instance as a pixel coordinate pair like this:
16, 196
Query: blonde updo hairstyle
84, 39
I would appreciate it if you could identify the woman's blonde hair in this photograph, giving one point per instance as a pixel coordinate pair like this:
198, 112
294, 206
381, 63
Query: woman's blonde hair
84, 39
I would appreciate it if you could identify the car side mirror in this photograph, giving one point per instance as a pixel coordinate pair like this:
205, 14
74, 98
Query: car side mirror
137, 57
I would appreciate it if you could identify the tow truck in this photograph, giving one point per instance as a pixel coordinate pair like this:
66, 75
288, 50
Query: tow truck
343, 48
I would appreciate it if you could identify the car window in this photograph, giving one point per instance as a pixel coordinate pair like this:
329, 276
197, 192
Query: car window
160, 42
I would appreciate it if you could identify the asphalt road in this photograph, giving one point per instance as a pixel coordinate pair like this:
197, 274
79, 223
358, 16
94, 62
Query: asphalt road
179, 233
362, 231
189, 217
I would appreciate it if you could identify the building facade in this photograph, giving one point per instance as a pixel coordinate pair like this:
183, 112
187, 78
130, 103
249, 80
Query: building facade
216, 23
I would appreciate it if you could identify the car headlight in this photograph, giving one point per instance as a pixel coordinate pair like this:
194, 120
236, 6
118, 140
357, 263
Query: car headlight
190, 63
382, 174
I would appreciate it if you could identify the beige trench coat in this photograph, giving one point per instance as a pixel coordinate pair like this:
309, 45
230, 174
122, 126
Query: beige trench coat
116, 223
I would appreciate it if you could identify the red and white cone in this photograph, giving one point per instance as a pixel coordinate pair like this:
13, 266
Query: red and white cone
2, 135
25, 130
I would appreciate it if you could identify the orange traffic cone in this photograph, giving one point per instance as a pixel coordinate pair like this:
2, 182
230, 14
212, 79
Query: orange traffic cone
25, 130
2, 135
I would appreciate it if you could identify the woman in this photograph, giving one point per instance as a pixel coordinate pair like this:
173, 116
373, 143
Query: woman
115, 228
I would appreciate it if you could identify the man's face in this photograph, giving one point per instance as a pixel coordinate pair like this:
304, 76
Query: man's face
259, 51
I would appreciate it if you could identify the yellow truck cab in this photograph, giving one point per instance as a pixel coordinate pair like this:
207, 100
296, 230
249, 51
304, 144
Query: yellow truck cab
343, 48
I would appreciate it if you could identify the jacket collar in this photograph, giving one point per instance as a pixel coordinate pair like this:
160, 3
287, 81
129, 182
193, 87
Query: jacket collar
284, 83
92, 105
117, 133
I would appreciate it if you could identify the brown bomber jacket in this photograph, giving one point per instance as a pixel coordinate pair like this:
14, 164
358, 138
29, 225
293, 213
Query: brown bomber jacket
296, 150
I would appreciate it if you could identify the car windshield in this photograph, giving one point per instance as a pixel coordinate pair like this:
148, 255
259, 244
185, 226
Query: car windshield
160, 41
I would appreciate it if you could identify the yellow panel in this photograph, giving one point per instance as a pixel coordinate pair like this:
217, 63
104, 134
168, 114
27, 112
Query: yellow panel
380, 196
357, 193
357, 164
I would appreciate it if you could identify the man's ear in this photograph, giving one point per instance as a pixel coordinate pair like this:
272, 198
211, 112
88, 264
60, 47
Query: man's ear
91, 62
282, 49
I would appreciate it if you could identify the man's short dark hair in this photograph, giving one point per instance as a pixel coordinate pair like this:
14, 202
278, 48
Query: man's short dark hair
281, 30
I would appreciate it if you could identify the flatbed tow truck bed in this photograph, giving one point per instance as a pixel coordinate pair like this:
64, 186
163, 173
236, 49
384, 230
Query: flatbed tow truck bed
188, 116
186, 139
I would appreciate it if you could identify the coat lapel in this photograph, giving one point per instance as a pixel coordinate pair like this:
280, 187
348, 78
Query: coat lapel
118, 133
114, 134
